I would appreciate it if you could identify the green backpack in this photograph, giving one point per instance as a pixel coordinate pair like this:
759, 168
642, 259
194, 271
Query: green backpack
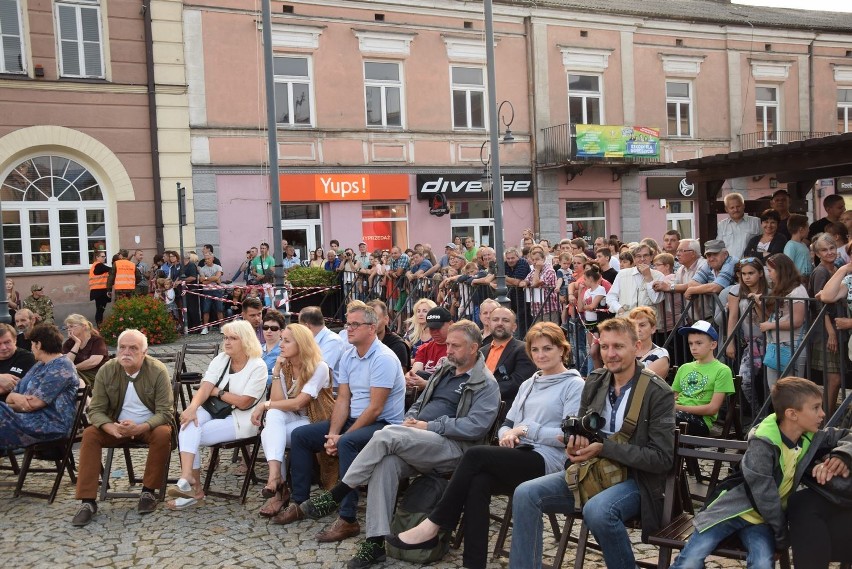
419, 500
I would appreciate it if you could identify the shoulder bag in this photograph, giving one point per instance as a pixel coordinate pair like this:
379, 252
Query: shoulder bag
217, 408
587, 479
319, 408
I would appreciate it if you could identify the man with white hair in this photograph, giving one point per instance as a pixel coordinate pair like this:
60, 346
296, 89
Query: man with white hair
131, 401
737, 228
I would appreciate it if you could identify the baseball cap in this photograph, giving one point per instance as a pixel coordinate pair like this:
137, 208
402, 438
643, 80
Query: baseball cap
362, 243
450, 246
438, 316
700, 327
36, 287
714, 246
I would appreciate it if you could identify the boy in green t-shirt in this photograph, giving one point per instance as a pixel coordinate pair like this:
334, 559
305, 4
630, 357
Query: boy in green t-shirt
700, 386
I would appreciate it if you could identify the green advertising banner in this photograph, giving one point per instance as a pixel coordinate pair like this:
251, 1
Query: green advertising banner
607, 141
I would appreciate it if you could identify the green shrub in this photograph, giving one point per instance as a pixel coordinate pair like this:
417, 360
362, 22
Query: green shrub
311, 276
144, 313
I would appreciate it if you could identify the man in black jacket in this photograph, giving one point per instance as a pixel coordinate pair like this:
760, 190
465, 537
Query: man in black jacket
388, 338
505, 356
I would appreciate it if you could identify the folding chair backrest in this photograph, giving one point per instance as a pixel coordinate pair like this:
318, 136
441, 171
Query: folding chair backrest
174, 360
200, 349
721, 451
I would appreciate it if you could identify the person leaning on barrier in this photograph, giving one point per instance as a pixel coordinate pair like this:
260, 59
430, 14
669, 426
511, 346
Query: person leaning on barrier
455, 412
717, 275
648, 456
132, 400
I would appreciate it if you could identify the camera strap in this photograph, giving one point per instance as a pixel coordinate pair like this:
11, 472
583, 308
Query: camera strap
632, 416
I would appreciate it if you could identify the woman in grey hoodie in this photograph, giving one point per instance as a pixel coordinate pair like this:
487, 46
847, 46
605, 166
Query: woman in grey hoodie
528, 449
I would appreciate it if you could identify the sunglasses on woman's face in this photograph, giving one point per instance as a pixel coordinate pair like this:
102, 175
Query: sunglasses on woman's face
273, 328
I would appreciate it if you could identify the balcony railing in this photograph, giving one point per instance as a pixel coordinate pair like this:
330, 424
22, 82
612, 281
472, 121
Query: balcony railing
560, 147
751, 140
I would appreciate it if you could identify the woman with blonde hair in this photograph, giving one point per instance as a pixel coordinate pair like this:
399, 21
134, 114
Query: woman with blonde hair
84, 347
237, 377
650, 354
299, 375
417, 333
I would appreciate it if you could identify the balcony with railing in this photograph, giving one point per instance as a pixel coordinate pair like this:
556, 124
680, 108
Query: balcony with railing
560, 149
762, 139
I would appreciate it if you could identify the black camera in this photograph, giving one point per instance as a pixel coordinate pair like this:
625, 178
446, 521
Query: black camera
588, 426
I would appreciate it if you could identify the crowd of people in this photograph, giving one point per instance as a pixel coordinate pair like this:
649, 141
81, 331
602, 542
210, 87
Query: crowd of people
638, 348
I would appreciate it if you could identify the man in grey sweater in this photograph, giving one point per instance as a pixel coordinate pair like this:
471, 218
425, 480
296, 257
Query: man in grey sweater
455, 411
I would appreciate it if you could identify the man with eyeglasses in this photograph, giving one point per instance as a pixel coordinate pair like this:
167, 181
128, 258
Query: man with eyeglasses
454, 413
717, 275
98, 291
635, 286
370, 396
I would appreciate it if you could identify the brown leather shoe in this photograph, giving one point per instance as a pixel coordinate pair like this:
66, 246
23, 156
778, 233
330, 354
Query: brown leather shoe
291, 513
338, 531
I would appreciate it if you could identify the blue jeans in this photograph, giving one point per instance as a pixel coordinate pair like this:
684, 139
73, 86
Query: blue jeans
604, 515
309, 440
756, 538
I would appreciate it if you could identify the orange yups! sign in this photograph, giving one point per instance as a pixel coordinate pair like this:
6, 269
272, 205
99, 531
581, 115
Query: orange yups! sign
343, 187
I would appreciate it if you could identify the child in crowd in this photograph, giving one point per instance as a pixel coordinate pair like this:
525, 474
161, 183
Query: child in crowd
778, 455
564, 277
797, 225
625, 259
700, 386
448, 290
165, 292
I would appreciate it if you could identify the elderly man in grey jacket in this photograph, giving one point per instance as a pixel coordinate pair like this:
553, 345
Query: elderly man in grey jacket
455, 411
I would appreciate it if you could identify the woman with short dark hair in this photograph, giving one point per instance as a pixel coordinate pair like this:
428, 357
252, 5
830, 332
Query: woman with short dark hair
41, 407
768, 243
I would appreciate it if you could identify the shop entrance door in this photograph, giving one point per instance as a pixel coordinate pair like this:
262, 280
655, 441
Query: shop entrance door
481, 230
303, 237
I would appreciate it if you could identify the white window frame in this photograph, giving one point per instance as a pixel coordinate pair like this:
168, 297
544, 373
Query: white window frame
584, 95
468, 89
21, 43
593, 218
846, 107
390, 206
672, 219
289, 80
679, 102
384, 85
763, 138
78, 7
53, 206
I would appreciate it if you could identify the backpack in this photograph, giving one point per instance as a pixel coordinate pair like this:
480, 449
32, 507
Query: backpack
419, 500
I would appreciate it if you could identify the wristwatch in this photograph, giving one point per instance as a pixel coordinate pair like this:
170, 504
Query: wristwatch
267, 404
524, 430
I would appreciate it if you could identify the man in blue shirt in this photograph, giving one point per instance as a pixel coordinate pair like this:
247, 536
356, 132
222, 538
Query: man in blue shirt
330, 344
714, 277
371, 395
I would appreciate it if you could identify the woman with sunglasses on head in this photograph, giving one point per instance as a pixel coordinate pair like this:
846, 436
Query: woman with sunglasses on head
787, 315
273, 324
770, 241
299, 375
826, 350
751, 284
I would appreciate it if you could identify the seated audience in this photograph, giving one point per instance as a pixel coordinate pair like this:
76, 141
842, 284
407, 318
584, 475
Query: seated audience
84, 347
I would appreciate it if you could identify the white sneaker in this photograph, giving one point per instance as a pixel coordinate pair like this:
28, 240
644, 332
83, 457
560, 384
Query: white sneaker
205, 331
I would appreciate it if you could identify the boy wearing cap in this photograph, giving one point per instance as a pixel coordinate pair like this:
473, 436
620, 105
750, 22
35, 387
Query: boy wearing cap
700, 386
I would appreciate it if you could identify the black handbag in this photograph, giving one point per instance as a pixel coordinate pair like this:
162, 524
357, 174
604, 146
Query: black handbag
217, 408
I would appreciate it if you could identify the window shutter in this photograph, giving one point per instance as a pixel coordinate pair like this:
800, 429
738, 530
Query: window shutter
70, 51
10, 31
91, 42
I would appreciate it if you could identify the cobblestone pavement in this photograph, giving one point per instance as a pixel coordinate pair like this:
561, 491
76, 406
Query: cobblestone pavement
221, 533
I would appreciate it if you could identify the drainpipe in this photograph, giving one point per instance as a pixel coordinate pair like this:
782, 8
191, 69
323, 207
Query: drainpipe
528, 30
152, 127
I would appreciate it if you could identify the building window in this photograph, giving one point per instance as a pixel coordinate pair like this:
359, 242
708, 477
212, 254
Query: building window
584, 99
679, 108
680, 216
767, 115
586, 220
384, 226
468, 97
54, 215
11, 38
293, 91
844, 109
474, 219
383, 94
80, 53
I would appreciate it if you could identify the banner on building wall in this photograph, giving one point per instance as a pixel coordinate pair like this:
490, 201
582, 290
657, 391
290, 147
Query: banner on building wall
469, 186
343, 187
377, 234
607, 141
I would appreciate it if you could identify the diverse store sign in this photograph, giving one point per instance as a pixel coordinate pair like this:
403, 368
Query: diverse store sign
343, 187
607, 141
470, 186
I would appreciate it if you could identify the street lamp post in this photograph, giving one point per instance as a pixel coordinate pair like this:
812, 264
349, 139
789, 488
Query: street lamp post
4, 306
494, 134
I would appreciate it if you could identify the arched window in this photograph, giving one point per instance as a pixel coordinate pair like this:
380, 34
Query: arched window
53, 213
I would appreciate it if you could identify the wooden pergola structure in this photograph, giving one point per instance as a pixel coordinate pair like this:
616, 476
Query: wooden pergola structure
797, 164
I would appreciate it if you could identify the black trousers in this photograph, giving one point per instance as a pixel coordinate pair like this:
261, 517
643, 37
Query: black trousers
482, 472
819, 530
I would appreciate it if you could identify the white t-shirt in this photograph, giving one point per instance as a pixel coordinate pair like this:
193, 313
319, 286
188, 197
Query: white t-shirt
133, 408
312, 387
250, 381
588, 296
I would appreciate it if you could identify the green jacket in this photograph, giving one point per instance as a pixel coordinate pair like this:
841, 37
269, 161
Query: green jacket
153, 387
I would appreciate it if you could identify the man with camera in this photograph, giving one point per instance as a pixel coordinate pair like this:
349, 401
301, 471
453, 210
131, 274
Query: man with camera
647, 454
